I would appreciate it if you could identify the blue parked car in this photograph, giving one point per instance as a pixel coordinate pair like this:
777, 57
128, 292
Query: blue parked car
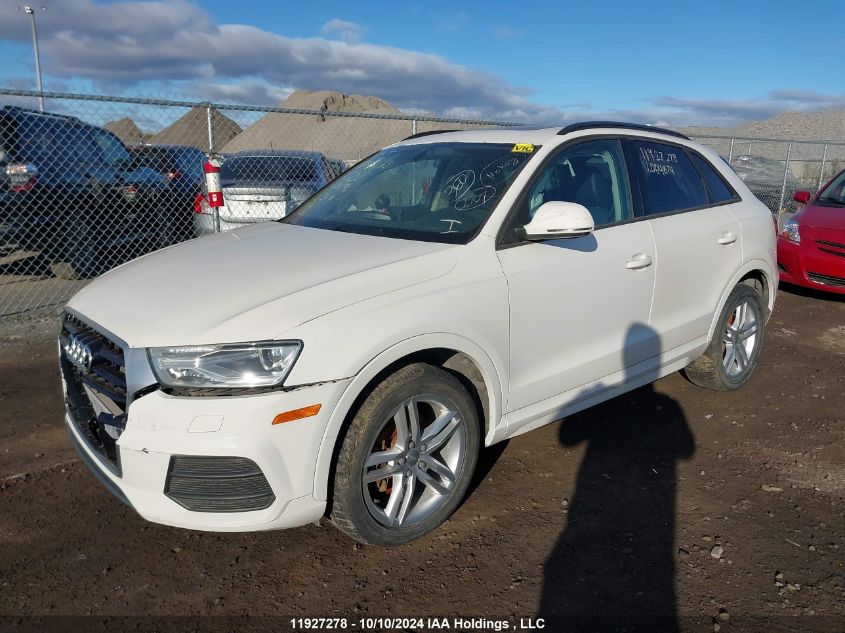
71, 192
180, 169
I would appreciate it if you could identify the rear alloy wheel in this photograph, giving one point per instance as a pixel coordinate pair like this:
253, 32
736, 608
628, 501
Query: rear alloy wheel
732, 355
407, 458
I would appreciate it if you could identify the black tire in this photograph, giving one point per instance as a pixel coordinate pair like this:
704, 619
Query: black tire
350, 511
75, 257
710, 369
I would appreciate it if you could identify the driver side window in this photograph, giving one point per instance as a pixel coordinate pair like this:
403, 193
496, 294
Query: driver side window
590, 173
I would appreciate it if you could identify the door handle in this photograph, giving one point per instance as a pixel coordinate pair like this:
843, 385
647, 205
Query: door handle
727, 238
640, 260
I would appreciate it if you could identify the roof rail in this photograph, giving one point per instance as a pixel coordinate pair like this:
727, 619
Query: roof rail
586, 125
430, 132
15, 108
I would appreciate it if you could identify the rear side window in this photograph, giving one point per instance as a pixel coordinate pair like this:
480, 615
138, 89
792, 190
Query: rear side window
38, 138
85, 149
156, 158
191, 162
112, 149
718, 189
668, 180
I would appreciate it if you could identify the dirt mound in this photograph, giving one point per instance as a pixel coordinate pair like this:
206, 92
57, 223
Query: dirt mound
825, 125
126, 130
331, 101
192, 129
347, 138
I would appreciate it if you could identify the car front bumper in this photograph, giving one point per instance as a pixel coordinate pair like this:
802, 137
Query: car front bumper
160, 427
805, 265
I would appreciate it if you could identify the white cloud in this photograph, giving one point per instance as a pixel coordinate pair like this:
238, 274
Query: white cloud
250, 92
730, 112
349, 32
128, 43
176, 47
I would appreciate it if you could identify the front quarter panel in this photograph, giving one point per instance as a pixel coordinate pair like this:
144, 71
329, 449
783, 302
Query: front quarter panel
466, 310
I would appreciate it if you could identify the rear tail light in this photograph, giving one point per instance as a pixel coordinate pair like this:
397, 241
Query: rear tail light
130, 193
22, 177
173, 174
201, 204
24, 186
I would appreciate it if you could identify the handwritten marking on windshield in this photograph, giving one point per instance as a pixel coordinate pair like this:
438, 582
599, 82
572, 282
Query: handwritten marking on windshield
457, 185
501, 169
451, 228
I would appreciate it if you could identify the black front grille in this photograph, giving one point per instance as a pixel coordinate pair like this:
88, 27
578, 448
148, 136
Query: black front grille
829, 243
99, 416
827, 280
217, 484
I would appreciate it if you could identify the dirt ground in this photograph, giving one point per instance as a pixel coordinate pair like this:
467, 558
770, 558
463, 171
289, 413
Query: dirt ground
668, 508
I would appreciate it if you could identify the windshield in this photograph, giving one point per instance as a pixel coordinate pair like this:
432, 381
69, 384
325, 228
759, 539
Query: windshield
268, 169
835, 191
113, 150
437, 192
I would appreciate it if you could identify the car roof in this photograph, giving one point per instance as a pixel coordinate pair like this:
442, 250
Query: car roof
18, 111
537, 135
286, 153
172, 146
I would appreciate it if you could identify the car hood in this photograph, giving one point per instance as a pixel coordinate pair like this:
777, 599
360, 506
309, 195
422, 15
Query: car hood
822, 217
253, 283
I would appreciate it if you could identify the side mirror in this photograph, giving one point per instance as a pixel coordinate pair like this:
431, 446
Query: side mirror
802, 196
559, 220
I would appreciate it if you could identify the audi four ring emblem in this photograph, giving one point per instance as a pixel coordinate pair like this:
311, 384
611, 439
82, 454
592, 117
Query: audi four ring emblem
79, 353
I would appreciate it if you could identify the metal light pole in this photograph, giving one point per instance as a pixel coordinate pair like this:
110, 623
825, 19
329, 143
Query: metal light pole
31, 12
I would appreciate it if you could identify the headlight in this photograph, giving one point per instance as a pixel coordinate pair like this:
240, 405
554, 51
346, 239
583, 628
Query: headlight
789, 231
264, 364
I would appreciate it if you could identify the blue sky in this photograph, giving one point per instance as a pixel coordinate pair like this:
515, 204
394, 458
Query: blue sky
668, 62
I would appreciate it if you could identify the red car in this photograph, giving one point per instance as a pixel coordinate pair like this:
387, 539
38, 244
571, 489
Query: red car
811, 244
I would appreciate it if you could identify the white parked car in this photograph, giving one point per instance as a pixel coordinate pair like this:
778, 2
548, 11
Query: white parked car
263, 185
449, 292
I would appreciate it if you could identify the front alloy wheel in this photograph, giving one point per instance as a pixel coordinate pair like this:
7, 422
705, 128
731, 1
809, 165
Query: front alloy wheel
411, 468
407, 458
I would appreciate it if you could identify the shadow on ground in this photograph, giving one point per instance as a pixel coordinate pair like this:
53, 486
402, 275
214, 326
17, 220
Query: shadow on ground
613, 565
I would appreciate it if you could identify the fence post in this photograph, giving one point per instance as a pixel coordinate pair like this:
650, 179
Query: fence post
821, 173
210, 124
785, 172
413, 127
731, 152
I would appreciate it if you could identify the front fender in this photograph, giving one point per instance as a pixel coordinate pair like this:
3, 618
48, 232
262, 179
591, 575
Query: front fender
393, 353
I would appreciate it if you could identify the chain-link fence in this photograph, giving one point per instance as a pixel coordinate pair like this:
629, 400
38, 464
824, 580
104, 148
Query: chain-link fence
774, 169
93, 182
